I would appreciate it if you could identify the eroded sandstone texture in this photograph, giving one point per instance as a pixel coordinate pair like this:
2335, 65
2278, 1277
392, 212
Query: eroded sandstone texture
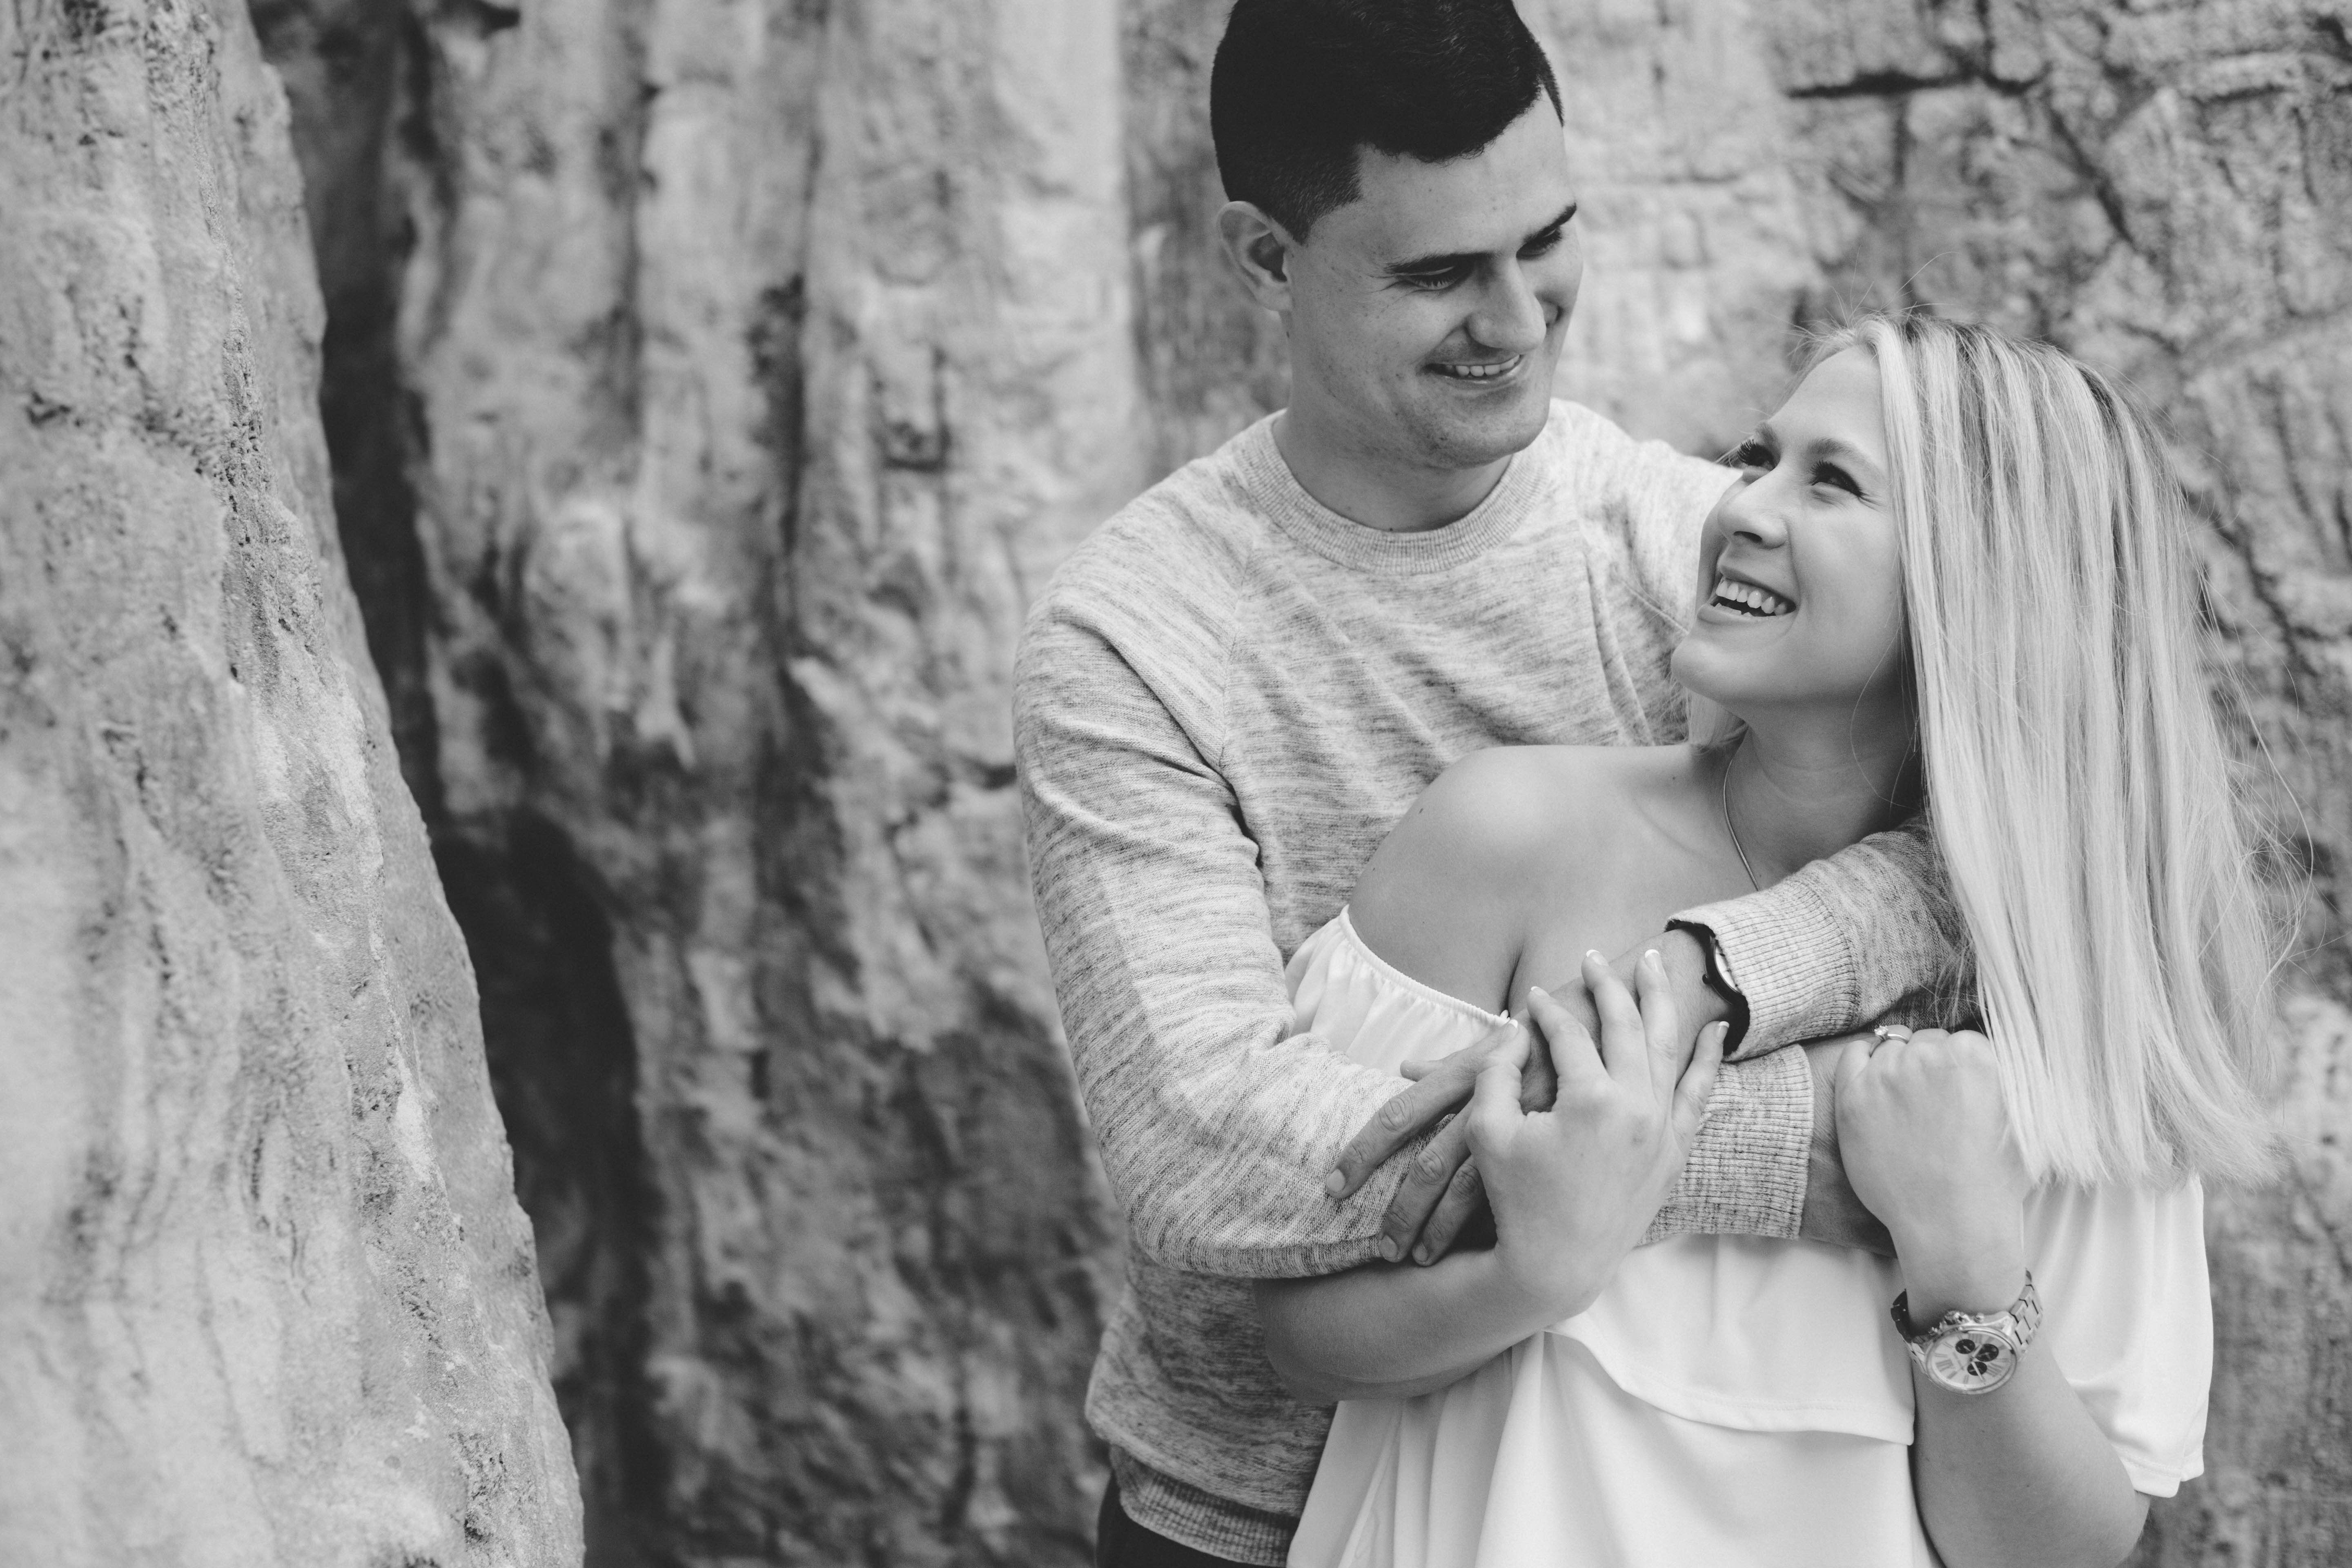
758, 361
266, 1295
711, 380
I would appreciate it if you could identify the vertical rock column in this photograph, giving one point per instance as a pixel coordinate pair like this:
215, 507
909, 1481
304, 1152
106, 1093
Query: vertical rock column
763, 359
266, 1296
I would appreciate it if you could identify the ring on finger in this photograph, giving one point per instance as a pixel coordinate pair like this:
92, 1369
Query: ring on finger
1885, 1031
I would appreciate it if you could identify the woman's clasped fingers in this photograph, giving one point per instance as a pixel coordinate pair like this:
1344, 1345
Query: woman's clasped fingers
1697, 1085
1495, 1112
1574, 1057
1624, 1043
1660, 1022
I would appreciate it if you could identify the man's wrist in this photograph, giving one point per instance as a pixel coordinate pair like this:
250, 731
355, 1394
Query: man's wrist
1718, 979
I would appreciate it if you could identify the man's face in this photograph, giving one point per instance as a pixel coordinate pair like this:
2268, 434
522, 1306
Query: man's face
1426, 318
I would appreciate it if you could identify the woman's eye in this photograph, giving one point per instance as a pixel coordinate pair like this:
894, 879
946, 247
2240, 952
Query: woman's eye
1836, 479
1749, 454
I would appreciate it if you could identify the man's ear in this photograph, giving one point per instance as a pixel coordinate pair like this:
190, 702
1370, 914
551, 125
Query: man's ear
1261, 251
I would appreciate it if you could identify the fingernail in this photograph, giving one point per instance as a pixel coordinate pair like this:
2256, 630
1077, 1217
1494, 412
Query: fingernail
1336, 1183
1538, 991
1593, 955
1650, 960
1421, 1254
1389, 1248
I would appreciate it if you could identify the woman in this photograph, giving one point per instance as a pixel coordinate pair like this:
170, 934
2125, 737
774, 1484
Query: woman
1952, 570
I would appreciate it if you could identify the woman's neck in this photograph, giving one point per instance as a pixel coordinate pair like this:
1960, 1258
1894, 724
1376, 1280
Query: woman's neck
1799, 791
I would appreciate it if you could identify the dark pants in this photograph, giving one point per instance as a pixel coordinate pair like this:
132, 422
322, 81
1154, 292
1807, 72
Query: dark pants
1120, 1542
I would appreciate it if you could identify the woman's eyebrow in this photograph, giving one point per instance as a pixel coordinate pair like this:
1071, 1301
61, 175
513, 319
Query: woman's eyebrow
1448, 260
1841, 450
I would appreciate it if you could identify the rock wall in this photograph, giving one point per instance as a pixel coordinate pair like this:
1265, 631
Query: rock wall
266, 1296
751, 366
709, 382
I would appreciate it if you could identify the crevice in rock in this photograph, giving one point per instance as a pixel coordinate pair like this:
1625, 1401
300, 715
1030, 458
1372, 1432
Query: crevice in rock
1880, 84
340, 61
561, 1053
563, 1064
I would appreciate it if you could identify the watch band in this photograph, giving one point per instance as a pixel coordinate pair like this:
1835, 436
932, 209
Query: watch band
1971, 1353
1719, 979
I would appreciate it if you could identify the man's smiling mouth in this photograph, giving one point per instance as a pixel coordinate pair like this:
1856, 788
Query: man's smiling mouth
1748, 599
1479, 372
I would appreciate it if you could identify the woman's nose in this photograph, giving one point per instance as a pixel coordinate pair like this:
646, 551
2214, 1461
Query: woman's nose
1753, 512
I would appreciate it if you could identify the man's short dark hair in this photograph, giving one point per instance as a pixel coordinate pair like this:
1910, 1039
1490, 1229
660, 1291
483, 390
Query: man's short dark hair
1299, 86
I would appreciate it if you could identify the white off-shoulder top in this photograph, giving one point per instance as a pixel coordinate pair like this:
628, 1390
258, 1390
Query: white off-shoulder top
1726, 1400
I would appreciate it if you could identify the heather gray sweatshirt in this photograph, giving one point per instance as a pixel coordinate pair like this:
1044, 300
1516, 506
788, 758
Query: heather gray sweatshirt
1223, 701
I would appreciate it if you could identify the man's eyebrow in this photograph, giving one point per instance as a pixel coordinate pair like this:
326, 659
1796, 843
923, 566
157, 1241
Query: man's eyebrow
1451, 259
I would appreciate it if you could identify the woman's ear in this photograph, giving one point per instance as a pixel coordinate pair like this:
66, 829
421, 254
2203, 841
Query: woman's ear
1260, 250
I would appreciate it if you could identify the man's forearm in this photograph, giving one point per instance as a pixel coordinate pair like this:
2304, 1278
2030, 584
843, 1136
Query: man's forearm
1748, 1169
1844, 942
1833, 1212
1216, 1129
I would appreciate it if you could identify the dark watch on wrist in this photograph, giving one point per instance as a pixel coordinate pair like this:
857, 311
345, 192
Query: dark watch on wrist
1971, 1353
1719, 979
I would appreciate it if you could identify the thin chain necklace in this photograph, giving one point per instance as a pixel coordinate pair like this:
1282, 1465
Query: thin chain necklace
1736, 848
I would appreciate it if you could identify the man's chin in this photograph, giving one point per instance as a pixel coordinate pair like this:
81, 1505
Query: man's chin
1471, 437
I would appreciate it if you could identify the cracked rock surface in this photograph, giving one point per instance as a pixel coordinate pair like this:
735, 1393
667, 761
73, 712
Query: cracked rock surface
711, 382
266, 1298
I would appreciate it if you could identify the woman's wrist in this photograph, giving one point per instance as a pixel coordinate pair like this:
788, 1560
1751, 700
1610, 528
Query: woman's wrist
1946, 1274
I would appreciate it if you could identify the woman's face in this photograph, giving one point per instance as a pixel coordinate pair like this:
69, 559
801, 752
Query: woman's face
1800, 588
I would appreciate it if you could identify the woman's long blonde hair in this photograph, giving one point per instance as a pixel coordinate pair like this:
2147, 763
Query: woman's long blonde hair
2076, 776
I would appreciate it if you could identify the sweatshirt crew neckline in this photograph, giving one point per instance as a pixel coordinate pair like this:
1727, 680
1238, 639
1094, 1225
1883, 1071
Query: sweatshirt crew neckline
1350, 543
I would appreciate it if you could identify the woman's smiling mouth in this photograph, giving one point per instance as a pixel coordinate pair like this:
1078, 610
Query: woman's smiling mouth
1748, 599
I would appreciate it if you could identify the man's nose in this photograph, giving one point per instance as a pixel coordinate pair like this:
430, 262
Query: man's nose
1510, 317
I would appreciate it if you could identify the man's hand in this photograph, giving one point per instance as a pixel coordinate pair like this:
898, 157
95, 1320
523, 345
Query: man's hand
1833, 1212
1441, 1170
1442, 1193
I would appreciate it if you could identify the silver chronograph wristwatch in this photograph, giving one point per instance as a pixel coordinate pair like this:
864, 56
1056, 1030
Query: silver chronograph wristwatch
1971, 1353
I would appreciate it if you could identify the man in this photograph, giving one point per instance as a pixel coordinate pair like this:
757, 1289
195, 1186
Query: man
1232, 689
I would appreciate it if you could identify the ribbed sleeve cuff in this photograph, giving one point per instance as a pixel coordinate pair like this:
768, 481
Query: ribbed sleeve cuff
1202, 1520
1787, 953
1746, 1174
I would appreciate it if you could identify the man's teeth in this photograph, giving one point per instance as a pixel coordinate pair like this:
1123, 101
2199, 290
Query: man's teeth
1749, 599
1478, 372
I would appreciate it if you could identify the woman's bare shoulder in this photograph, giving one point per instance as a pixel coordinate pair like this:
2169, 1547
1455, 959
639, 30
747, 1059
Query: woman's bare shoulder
1500, 804
1497, 836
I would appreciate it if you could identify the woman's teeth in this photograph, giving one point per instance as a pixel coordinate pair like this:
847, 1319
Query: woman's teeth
1749, 599
1479, 372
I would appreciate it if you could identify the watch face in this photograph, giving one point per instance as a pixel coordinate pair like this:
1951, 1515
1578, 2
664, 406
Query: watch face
1970, 1360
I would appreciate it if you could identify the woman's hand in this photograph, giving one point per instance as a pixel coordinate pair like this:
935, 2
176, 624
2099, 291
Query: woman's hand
1926, 1138
1575, 1188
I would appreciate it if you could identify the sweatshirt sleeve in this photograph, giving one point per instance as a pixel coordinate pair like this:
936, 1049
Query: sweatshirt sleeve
1217, 1124
1746, 1168
1869, 932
